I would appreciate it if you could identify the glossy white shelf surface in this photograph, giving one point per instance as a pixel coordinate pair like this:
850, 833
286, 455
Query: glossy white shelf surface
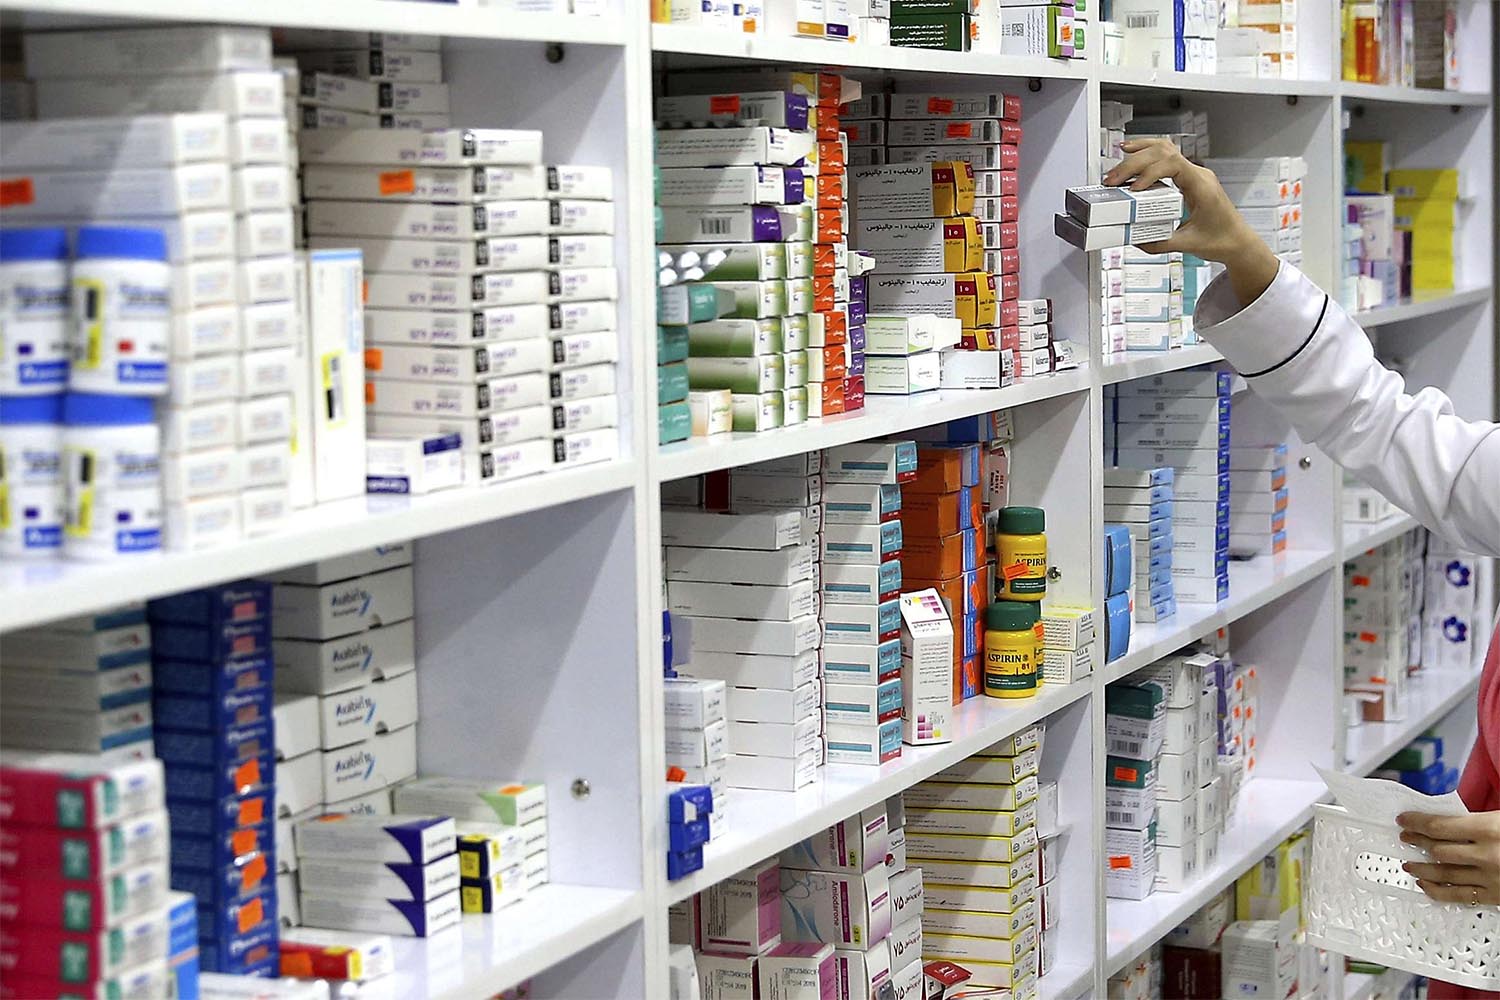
487, 953
1411, 95
1423, 304
1269, 810
32, 593
1131, 76
1124, 367
882, 415
1253, 584
1431, 695
1360, 536
447, 19
1066, 981
763, 823
708, 43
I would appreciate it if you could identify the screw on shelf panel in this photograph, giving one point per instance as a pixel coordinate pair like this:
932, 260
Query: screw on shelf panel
1358, 110
1054, 574
581, 788
555, 52
1291, 100
1305, 462
1034, 85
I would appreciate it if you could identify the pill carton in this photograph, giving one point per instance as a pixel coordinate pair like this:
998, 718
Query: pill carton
430, 148
742, 914
378, 707
701, 147
842, 909
361, 768
380, 916
857, 844
342, 608
766, 530
507, 803
784, 774
352, 878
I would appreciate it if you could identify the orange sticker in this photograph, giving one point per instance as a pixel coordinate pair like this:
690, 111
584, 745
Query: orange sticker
960, 130
296, 964
247, 775
1038, 631
1368, 637
398, 182
252, 811
251, 914
1120, 861
17, 191
1014, 571
243, 842
253, 873
369, 393
939, 106
1126, 774
724, 104
372, 359
1359, 581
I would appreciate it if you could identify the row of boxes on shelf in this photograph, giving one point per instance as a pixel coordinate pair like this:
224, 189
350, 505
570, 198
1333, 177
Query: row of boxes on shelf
1046, 29
1180, 735
956, 874
1255, 38
1398, 228
1400, 44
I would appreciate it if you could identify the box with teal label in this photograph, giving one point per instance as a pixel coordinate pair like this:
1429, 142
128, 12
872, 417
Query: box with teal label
861, 503
849, 663
862, 624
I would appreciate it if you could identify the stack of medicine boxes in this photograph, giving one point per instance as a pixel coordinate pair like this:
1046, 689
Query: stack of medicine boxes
1137, 499
837, 891
491, 290
1258, 500
731, 925
1100, 217
1067, 643
742, 590
1180, 775
1181, 419
228, 182
864, 573
1268, 193
388, 874
1379, 587
343, 633
212, 667
1237, 704
914, 217
507, 818
963, 852
1124, 559
983, 131
84, 870
1426, 206
972, 828
1134, 728
697, 743
681, 413
1185, 43
81, 685
394, 60
689, 826
942, 528
1142, 300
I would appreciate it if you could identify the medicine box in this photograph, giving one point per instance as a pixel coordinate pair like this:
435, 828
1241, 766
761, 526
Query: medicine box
768, 530
767, 704
381, 916
781, 774
378, 707
857, 844
851, 910
342, 608
376, 763
694, 704
861, 663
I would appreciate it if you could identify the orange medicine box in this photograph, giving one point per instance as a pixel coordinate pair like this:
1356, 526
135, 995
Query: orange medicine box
831, 157
945, 468
933, 515
826, 258
944, 556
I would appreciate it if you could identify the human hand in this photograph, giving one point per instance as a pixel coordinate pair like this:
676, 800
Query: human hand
1465, 853
1214, 230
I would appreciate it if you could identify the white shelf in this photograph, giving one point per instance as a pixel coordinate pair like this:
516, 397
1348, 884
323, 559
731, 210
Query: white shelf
1360, 536
1423, 304
710, 44
486, 954
882, 415
1431, 695
1269, 810
40, 592
763, 823
447, 19
1140, 364
1130, 76
1253, 584
1066, 982
1411, 95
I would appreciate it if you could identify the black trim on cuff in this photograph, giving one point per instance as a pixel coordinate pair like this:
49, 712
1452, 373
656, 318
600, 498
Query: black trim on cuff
1321, 313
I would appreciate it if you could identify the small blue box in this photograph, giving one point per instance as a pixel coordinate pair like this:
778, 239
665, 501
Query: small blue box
210, 644
1159, 594
686, 836
207, 679
683, 864
229, 744
1119, 566
969, 513
234, 708
979, 429
697, 798
221, 885
252, 775
210, 817
255, 914
225, 604
182, 923
1157, 577
1116, 627
222, 849
253, 953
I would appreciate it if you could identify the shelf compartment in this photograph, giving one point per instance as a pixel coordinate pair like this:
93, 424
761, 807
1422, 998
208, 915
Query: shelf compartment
486, 954
1143, 363
1269, 810
1411, 95
762, 823
1432, 694
39, 592
1253, 584
1360, 536
1131, 76
1423, 304
882, 415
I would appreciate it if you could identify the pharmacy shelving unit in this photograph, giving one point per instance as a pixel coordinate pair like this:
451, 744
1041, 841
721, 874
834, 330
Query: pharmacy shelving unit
539, 601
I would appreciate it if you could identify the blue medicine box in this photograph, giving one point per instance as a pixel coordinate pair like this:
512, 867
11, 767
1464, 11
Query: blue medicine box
689, 801
686, 836
210, 643
1116, 627
209, 817
1118, 559
226, 604
251, 775
193, 677
221, 850
233, 708
229, 744
680, 865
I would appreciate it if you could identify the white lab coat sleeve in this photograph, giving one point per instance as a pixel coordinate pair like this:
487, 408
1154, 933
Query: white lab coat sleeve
1302, 353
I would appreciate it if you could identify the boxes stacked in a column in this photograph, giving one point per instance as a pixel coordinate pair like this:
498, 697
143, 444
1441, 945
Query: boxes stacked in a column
212, 669
1259, 500
1133, 497
491, 287
1135, 727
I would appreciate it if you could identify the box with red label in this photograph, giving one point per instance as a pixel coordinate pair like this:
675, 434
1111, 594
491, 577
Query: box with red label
902, 107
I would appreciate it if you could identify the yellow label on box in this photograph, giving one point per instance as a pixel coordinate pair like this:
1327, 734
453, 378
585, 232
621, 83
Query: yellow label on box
974, 298
1425, 213
963, 246
953, 187
1437, 184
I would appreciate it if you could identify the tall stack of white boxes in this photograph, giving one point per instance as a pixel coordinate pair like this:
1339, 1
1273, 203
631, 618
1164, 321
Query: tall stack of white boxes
1181, 419
195, 147
346, 693
1268, 193
1259, 500
1141, 300
1134, 730
743, 593
1163, 35
1131, 495
1259, 38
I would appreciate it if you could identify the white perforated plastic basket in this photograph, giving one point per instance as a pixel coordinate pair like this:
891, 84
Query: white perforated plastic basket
1361, 903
